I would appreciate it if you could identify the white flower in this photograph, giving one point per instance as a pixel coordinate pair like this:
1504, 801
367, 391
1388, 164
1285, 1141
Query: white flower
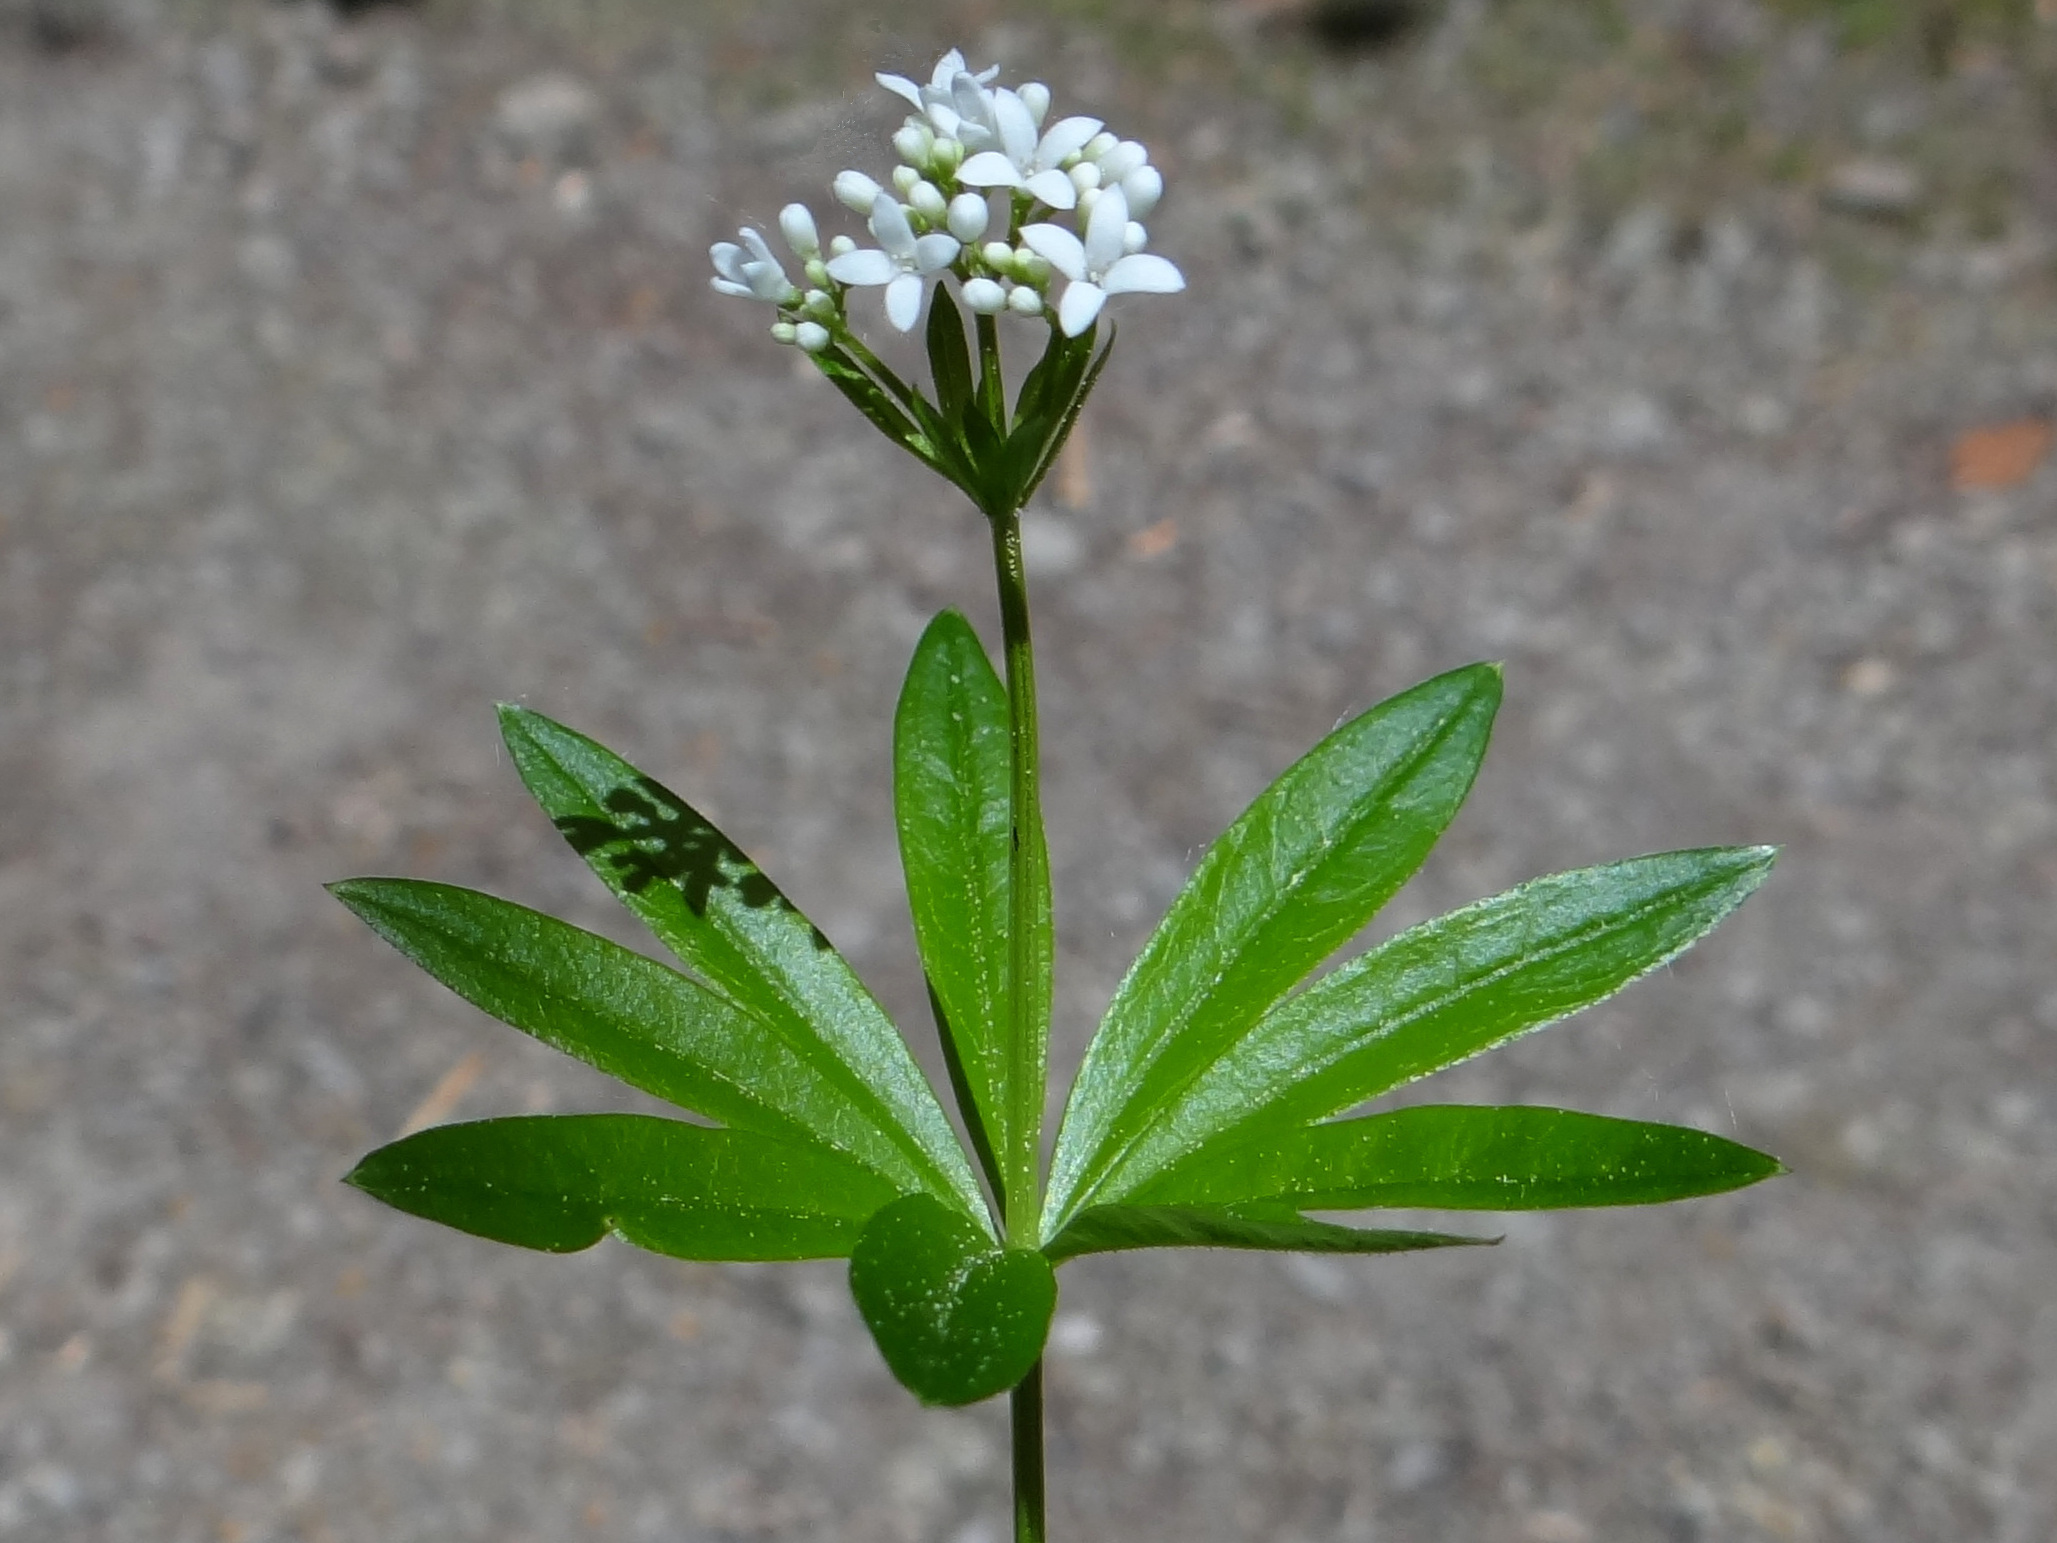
955, 102
902, 262
1024, 161
1099, 266
750, 271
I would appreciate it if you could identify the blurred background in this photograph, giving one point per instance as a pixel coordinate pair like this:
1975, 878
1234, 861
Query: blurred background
358, 368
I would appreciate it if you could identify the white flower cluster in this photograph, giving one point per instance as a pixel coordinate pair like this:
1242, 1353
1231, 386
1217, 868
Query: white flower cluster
966, 143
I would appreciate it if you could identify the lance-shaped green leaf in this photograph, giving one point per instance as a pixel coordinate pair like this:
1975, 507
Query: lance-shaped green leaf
1106, 1229
951, 797
949, 356
956, 1318
1303, 868
1447, 990
1463, 1158
716, 910
630, 1017
562, 1182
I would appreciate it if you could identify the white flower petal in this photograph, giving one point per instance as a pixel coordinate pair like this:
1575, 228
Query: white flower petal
901, 86
767, 281
1017, 127
935, 250
1142, 187
760, 249
948, 68
1143, 273
1058, 246
731, 287
903, 301
728, 260
989, 169
868, 266
1066, 137
889, 224
1053, 188
1105, 229
1081, 303
974, 103
1121, 160
1035, 96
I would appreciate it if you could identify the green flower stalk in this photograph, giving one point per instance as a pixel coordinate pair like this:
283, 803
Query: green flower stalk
1216, 1103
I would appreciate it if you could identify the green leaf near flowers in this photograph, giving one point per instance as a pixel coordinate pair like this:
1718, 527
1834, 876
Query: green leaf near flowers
1463, 1158
1445, 991
1298, 873
951, 797
1106, 1229
957, 1318
563, 1182
732, 926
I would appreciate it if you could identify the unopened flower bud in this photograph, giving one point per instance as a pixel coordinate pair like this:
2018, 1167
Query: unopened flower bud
1023, 301
812, 336
1035, 96
1099, 145
1133, 237
784, 332
1086, 200
947, 156
1085, 176
842, 246
1143, 187
926, 200
797, 225
818, 303
914, 141
999, 256
1121, 160
1032, 267
985, 297
817, 273
904, 178
856, 192
968, 216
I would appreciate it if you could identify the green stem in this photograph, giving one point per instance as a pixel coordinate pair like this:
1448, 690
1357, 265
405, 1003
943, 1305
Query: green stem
1027, 877
1028, 873
1025, 1406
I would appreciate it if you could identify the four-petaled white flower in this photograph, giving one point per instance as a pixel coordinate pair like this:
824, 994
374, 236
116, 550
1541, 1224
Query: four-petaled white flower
955, 101
1102, 264
902, 261
750, 271
1024, 161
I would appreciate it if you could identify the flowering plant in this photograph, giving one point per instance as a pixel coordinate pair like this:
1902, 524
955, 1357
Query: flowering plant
1211, 1107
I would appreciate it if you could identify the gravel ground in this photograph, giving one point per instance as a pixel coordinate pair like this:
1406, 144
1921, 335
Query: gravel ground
356, 374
